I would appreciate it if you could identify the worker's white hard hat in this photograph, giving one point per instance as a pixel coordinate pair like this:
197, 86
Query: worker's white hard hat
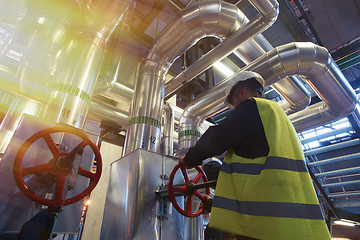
247, 79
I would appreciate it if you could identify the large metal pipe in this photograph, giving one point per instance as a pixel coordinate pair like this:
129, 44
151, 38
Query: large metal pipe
296, 96
305, 59
18, 107
59, 63
198, 20
213, 18
268, 12
110, 67
78, 68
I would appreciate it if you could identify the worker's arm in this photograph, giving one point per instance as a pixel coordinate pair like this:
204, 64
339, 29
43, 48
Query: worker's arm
235, 130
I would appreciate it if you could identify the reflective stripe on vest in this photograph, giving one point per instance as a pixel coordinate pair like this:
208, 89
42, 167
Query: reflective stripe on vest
270, 209
271, 163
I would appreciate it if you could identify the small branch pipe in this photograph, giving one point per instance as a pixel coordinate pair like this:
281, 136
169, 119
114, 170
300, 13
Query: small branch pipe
168, 131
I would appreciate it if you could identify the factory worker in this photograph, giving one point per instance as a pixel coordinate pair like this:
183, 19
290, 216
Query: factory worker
264, 190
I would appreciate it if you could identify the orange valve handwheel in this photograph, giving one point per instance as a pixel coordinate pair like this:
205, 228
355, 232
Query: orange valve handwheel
188, 190
59, 166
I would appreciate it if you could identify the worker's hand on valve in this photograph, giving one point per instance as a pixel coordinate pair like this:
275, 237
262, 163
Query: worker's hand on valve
206, 204
181, 160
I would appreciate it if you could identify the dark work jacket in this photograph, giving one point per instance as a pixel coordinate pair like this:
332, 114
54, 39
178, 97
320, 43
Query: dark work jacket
241, 130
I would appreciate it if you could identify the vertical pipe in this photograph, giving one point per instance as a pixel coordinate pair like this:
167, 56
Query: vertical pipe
18, 107
78, 68
168, 131
214, 19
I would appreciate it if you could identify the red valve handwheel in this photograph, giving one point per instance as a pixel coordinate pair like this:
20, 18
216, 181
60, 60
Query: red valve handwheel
19, 172
184, 189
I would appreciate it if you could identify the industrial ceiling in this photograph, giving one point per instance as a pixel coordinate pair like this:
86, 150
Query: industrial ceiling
329, 23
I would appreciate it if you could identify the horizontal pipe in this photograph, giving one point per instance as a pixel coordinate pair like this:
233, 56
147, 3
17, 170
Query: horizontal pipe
338, 172
101, 112
328, 134
332, 147
336, 159
344, 194
339, 184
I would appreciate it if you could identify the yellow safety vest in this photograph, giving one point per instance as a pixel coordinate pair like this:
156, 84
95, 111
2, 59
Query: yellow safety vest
269, 197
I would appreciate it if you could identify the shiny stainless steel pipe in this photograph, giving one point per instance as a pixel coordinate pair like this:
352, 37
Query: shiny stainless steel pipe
268, 12
99, 111
296, 96
110, 66
168, 131
60, 65
17, 108
305, 59
198, 20
335, 160
321, 74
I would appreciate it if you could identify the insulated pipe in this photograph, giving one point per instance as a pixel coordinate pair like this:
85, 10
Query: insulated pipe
321, 74
297, 97
198, 20
99, 112
268, 12
18, 107
77, 70
60, 65
305, 59
110, 66
168, 131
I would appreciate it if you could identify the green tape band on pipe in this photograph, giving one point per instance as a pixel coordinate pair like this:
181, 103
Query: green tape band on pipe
146, 120
66, 88
195, 133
